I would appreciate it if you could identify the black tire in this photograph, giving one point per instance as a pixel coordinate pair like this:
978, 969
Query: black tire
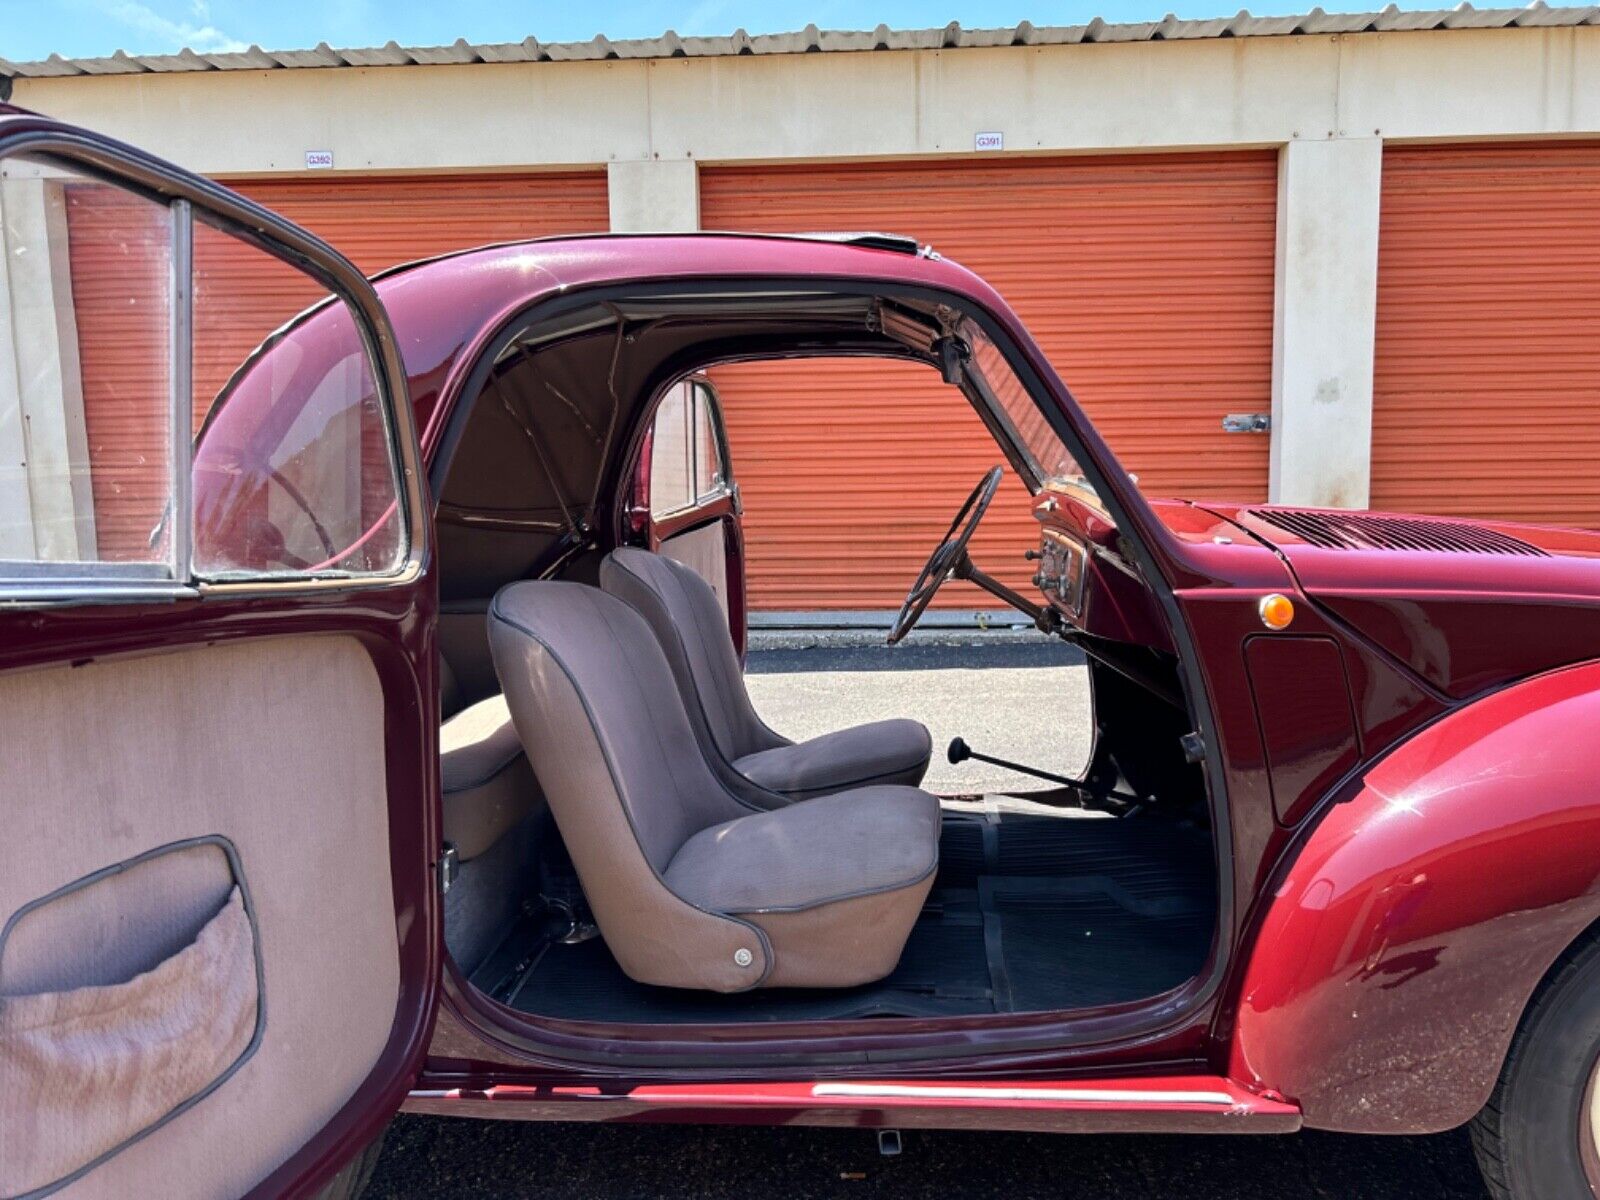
352, 1180
1535, 1139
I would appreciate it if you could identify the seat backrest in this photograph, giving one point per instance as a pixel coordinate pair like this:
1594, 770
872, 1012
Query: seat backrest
599, 714
687, 621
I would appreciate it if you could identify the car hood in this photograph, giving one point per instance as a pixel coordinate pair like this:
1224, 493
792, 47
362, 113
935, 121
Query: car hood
1468, 605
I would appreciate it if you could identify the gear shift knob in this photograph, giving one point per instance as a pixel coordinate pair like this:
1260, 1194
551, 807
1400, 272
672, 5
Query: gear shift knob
959, 751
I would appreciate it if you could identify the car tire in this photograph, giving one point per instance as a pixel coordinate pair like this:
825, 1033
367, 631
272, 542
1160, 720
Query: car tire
352, 1180
1538, 1137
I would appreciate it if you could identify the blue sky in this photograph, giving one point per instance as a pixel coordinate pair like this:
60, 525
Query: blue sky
32, 29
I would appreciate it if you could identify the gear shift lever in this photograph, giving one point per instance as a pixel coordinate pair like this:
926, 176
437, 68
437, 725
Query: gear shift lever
959, 751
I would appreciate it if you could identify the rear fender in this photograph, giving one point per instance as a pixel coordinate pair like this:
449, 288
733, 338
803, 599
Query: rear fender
1402, 944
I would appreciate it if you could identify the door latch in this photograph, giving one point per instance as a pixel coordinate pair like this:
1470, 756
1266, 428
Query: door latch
448, 867
1246, 423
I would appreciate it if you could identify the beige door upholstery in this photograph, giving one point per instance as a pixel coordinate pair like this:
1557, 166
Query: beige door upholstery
278, 745
689, 887
488, 785
683, 613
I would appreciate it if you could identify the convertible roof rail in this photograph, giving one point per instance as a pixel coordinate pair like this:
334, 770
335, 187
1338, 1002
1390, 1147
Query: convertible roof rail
898, 242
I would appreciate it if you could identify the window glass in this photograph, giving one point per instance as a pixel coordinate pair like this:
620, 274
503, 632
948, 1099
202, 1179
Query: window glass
294, 470
672, 453
1050, 459
709, 473
86, 435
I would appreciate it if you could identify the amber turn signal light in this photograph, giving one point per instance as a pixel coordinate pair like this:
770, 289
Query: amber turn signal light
1276, 610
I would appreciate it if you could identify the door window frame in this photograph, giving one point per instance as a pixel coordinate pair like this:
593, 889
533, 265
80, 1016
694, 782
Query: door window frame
701, 392
79, 582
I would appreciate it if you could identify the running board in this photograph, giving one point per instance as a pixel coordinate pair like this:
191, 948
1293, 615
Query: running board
1183, 1103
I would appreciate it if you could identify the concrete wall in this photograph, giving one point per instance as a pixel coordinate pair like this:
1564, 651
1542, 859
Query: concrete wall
1328, 102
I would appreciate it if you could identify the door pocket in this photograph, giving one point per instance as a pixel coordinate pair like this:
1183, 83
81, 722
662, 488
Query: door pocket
126, 997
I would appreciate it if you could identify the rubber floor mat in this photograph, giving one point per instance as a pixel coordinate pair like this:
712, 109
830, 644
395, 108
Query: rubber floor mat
1028, 914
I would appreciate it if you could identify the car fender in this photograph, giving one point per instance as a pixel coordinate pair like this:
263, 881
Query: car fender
1403, 941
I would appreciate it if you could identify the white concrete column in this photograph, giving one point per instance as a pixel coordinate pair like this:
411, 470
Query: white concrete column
654, 196
1326, 307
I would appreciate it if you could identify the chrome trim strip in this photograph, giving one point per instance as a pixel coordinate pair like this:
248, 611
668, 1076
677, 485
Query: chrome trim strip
181, 392
74, 592
867, 1091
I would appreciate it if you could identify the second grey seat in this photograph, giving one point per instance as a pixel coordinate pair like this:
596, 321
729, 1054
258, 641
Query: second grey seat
691, 888
688, 622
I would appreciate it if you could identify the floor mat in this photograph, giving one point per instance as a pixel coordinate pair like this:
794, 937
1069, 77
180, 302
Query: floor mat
1028, 914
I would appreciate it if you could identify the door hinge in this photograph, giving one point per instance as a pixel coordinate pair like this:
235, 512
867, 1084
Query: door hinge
448, 867
1194, 747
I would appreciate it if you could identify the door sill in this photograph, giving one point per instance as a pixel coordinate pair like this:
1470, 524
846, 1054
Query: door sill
1179, 1103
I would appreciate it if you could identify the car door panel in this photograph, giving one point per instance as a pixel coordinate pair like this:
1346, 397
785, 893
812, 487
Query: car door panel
218, 924
120, 758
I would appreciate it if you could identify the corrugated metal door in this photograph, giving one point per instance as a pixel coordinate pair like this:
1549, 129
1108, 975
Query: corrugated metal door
1147, 280
1486, 390
241, 295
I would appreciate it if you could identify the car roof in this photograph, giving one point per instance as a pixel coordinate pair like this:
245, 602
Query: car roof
469, 289
444, 310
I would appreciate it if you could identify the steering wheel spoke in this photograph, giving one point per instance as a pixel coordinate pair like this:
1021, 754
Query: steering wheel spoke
948, 557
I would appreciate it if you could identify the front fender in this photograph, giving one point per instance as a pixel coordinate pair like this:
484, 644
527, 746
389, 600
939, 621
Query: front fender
1400, 948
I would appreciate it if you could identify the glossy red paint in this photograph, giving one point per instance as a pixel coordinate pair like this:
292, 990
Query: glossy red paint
1464, 622
1308, 729
1404, 937
1169, 1104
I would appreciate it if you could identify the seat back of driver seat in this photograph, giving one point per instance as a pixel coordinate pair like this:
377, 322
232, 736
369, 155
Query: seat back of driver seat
599, 713
688, 621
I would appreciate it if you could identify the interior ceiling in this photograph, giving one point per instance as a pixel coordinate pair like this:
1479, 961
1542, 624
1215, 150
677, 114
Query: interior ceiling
547, 434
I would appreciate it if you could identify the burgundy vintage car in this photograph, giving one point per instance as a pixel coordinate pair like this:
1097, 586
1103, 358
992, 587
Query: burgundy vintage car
376, 736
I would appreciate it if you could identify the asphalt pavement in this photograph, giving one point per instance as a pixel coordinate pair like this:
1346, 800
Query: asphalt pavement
504, 1160
1017, 697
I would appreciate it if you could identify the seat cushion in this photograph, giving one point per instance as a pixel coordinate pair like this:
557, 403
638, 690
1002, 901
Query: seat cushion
835, 883
882, 752
488, 785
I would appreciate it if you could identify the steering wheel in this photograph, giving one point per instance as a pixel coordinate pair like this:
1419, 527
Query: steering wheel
948, 557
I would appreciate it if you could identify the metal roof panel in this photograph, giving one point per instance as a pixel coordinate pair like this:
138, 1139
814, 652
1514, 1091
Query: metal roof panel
814, 40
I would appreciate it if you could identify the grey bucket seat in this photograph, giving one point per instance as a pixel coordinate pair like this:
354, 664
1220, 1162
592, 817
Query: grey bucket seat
683, 613
691, 888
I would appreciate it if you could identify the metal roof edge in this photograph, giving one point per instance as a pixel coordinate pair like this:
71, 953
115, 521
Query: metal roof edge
809, 40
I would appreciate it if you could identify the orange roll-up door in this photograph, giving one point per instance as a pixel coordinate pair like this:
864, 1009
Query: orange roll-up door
1486, 387
1147, 280
377, 222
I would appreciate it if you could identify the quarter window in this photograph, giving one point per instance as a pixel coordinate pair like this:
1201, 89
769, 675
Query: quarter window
688, 462
294, 470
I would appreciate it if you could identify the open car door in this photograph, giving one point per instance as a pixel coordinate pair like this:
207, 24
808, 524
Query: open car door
685, 501
218, 915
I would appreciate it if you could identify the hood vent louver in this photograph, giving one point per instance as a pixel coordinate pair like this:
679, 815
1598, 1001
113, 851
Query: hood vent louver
1367, 531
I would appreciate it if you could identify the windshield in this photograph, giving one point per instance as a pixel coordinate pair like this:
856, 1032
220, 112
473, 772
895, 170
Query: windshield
1048, 459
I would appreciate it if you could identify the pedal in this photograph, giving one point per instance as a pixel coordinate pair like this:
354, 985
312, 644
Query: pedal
568, 921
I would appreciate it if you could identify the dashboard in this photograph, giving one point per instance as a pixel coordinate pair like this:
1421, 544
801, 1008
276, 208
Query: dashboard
1083, 574
1063, 565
